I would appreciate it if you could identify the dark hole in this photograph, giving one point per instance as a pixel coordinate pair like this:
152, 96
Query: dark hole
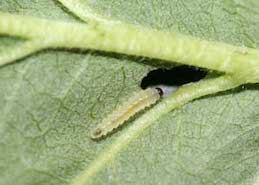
173, 77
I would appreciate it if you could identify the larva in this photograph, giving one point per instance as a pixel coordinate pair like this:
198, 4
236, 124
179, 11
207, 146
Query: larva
136, 103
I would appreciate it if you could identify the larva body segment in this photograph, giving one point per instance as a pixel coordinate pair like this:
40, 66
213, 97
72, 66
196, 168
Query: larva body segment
136, 103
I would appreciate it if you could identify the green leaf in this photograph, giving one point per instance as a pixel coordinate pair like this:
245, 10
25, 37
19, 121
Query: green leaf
51, 100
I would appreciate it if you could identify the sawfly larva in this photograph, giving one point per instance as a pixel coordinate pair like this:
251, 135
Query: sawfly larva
139, 101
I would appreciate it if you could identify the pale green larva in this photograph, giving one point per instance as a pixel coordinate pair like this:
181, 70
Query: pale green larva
139, 101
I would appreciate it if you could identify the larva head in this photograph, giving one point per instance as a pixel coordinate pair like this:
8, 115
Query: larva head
97, 133
160, 91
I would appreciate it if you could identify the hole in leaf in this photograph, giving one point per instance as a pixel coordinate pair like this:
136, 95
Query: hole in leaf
174, 77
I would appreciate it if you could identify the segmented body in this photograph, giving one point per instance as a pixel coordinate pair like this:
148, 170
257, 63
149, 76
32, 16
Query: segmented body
139, 101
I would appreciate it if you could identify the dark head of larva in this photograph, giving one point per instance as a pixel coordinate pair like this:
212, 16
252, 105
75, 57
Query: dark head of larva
97, 133
160, 91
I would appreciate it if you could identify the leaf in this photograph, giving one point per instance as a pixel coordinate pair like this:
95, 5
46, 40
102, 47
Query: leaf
51, 100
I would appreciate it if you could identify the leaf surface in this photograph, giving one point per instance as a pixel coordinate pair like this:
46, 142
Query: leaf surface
52, 99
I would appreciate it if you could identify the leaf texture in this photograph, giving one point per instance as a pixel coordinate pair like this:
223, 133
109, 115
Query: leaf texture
51, 100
